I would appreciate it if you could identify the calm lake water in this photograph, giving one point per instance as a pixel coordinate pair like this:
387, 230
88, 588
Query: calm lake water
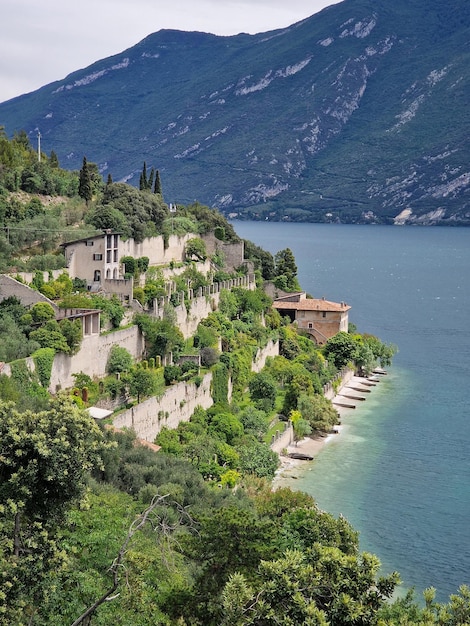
399, 471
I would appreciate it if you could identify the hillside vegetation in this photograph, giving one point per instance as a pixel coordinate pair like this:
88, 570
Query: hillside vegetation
97, 527
43, 205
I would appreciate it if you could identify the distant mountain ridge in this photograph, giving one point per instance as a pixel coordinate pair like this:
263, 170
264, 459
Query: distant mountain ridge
357, 114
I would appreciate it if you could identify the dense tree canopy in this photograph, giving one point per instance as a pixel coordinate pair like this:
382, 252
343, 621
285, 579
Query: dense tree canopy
263, 391
341, 349
45, 459
119, 360
137, 214
263, 260
161, 336
286, 270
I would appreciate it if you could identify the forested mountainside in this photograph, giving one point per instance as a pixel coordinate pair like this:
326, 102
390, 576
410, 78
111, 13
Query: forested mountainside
357, 114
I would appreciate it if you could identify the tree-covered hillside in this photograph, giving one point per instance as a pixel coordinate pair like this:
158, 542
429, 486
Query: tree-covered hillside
98, 527
43, 205
142, 538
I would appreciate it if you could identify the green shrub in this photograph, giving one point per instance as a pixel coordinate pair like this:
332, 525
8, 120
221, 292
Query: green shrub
114, 387
119, 360
82, 380
220, 379
171, 374
43, 361
219, 233
209, 356
42, 312
48, 291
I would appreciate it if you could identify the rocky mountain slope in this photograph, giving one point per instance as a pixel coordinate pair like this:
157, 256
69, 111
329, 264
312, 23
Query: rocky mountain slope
357, 114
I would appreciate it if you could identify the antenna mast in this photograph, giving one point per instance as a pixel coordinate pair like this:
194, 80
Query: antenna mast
39, 146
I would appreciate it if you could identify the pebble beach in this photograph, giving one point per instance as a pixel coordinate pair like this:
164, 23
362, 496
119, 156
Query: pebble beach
348, 397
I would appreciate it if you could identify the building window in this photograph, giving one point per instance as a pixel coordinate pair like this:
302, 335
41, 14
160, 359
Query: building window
97, 257
324, 313
89, 243
310, 325
97, 276
112, 248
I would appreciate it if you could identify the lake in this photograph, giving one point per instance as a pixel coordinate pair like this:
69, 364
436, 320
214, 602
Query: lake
399, 471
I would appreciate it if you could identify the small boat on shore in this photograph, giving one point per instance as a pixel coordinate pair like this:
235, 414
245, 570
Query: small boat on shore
379, 371
300, 456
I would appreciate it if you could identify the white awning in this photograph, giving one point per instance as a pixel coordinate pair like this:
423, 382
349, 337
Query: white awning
99, 414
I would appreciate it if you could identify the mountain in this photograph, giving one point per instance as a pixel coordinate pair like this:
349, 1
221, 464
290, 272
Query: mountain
358, 114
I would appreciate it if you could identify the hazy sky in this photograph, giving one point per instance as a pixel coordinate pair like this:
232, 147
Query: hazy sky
44, 40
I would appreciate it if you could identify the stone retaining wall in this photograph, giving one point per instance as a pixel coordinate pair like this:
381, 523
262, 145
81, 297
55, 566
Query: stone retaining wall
201, 303
283, 438
175, 406
93, 356
233, 252
271, 349
344, 376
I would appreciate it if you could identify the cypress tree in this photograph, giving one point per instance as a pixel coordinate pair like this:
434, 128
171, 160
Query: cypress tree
84, 185
143, 178
53, 160
158, 184
150, 182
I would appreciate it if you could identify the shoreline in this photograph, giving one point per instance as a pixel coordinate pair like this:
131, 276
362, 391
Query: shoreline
347, 399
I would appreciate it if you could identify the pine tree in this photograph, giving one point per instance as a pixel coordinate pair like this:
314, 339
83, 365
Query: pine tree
109, 181
84, 185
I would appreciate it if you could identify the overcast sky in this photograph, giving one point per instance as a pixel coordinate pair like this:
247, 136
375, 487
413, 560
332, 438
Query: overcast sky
44, 40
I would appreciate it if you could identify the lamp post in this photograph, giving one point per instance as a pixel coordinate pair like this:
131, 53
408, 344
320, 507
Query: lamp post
172, 211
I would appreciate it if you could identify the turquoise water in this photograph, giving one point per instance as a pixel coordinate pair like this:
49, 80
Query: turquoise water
399, 470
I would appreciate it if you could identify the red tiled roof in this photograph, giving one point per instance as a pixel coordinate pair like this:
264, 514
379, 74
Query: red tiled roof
311, 304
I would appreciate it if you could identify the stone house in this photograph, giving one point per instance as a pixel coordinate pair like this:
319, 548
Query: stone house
320, 318
94, 258
97, 259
